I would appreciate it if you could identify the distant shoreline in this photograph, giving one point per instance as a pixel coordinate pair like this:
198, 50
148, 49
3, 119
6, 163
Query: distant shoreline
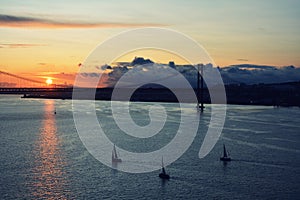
205, 103
282, 95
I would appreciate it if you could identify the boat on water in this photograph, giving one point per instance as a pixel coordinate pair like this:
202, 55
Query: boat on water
163, 174
225, 156
114, 155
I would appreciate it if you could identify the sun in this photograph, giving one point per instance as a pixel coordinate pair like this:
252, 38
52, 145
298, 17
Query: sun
49, 81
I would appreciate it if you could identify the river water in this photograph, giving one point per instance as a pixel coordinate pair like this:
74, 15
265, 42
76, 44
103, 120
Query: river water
43, 157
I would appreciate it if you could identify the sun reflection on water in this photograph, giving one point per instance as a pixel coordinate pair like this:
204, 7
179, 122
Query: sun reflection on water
50, 179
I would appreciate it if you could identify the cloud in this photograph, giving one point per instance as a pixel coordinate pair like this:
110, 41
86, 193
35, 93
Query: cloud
234, 74
29, 22
92, 74
19, 45
242, 59
254, 74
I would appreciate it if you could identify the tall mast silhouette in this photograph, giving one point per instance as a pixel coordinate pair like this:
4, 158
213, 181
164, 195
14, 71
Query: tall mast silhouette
201, 107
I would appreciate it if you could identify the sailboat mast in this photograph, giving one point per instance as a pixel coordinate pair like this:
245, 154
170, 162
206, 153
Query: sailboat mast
202, 106
162, 166
224, 151
115, 152
200, 98
198, 86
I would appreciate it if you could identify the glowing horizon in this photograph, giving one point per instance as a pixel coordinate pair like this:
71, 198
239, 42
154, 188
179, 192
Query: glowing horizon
44, 37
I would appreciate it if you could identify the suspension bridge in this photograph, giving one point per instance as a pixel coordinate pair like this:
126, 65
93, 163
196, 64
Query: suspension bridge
15, 84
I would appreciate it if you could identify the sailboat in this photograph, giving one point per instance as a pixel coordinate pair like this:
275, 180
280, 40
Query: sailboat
114, 155
225, 156
163, 174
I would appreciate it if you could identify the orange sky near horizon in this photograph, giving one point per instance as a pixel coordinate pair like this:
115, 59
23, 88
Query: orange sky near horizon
43, 39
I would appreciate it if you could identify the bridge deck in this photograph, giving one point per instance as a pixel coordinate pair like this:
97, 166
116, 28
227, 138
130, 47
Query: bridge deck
33, 90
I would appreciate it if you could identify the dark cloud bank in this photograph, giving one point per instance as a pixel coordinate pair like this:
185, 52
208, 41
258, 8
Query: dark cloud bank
235, 74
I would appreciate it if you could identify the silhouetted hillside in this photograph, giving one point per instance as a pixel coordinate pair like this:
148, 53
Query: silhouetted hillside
283, 94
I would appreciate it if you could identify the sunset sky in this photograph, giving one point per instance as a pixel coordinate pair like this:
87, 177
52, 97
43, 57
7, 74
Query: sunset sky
40, 38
